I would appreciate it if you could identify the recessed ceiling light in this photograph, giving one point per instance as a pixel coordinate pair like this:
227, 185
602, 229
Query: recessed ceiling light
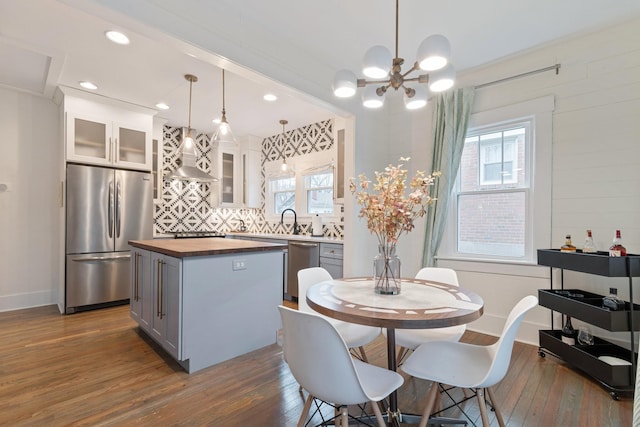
88, 85
269, 97
162, 106
117, 37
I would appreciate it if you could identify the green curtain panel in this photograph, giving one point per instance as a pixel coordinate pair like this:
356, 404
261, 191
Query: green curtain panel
450, 120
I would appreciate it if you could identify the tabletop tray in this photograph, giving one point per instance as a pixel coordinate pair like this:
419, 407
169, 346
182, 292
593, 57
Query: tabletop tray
585, 358
589, 308
599, 263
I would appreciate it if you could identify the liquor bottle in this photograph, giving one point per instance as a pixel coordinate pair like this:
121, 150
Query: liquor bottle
567, 247
616, 248
569, 334
612, 302
589, 247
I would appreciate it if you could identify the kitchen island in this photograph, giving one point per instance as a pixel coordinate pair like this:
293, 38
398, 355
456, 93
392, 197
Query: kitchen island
207, 300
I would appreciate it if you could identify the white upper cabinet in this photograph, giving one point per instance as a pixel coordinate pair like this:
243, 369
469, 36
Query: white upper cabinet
237, 167
107, 132
226, 163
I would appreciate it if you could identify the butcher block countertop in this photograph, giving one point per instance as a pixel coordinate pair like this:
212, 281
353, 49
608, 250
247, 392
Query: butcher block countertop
183, 248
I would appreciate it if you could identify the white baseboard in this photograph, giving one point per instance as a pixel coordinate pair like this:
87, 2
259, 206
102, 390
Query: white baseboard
27, 300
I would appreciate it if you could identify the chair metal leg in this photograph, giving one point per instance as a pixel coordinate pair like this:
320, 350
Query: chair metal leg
495, 407
305, 411
483, 407
428, 408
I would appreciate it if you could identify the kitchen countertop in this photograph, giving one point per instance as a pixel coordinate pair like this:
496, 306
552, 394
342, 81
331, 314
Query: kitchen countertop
301, 237
182, 248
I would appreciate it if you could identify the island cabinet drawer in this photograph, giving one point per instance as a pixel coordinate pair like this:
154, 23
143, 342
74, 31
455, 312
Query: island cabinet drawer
331, 250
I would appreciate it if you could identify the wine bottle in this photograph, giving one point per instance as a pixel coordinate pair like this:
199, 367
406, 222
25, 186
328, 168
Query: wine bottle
567, 247
589, 247
612, 302
616, 248
569, 334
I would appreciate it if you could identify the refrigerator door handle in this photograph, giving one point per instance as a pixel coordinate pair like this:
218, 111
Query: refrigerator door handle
111, 209
102, 258
118, 207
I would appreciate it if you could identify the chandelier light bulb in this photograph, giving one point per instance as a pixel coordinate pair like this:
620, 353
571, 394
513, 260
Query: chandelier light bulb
377, 62
443, 79
345, 84
371, 99
434, 52
418, 100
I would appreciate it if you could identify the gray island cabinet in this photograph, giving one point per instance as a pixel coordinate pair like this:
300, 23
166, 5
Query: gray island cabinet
206, 300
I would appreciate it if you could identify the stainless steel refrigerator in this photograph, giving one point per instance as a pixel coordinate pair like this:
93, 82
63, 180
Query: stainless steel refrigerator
105, 209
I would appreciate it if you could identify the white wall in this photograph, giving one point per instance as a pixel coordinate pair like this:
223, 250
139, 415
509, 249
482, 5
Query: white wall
29, 211
596, 161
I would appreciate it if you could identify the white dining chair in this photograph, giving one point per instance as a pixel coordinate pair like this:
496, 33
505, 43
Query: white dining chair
468, 366
354, 335
410, 339
321, 363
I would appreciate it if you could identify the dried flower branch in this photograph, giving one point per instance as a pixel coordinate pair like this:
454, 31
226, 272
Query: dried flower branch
387, 211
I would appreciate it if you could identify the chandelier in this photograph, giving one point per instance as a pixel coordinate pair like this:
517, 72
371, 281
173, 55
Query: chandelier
433, 56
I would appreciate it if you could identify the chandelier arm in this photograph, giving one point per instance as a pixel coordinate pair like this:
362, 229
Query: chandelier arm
413, 79
410, 70
363, 82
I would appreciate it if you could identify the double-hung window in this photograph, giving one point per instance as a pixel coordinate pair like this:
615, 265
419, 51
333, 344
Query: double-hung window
501, 202
283, 193
318, 189
493, 191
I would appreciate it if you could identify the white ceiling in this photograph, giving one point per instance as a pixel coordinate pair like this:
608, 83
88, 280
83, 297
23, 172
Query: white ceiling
45, 43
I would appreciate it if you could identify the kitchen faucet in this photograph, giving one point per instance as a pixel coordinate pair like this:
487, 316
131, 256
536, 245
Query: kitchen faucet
296, 228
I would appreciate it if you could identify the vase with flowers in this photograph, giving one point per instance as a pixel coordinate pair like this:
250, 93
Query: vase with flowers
389, 213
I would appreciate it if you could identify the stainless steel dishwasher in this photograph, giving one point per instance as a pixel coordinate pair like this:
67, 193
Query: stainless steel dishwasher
301, 255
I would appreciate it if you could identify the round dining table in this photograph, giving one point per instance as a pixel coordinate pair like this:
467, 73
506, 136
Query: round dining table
421, 304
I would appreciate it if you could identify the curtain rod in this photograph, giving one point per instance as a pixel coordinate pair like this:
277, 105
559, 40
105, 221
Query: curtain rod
506, 79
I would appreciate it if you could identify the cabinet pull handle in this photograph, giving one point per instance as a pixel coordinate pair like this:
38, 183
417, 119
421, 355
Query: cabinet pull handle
135, 277
159, 289
110, 149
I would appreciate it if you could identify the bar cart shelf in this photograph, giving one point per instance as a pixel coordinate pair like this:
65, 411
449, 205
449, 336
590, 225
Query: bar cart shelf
587, 306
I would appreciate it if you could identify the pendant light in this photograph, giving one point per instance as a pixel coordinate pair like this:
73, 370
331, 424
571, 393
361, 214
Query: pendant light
283, 167
223, 132
188, 150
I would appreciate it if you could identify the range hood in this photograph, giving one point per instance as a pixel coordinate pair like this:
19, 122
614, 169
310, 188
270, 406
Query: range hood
188, 171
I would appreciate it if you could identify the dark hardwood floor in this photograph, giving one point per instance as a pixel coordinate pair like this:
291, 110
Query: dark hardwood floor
96, 369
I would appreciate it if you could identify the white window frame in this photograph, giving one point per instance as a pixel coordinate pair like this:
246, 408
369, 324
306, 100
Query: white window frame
329, 169
538, 210
270, 202
301, 166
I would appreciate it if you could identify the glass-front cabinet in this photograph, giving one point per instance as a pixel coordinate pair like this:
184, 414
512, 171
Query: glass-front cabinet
107, 133
237, 168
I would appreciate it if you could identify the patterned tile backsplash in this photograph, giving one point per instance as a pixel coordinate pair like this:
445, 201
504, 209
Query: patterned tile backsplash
186, 206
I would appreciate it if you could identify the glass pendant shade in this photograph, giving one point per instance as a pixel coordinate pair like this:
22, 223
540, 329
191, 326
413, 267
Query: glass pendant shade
345, 84
371, 99
418, 100
434, 52
377, 62
223, 132
443, 79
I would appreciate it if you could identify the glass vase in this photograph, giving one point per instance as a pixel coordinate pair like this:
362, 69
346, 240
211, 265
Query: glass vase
386, 270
